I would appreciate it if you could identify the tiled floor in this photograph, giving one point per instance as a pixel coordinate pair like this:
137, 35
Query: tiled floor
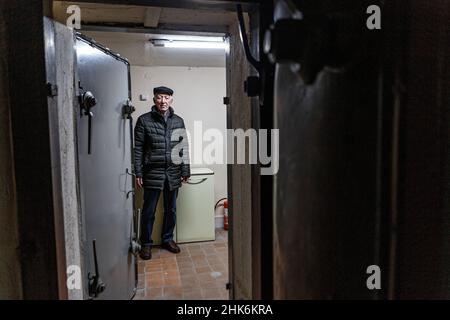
199, 271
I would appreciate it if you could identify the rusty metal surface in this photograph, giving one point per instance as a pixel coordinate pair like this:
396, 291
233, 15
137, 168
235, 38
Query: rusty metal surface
325, 191
364, 175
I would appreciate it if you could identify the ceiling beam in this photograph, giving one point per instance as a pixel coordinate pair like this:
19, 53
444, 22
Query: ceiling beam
175, 29
152, 17
226, 5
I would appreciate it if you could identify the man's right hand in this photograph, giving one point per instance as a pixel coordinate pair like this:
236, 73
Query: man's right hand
139, 182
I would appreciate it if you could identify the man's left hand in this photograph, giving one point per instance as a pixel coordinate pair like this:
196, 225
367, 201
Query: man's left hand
184, 179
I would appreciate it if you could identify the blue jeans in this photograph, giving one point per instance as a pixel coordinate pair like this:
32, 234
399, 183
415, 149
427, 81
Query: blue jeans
151, 197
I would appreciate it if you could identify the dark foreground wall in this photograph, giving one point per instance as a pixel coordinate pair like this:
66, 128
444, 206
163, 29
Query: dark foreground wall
364, 157
423, 238
10, 284
25, 54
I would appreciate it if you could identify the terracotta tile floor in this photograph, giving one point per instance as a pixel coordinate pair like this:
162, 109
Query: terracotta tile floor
199, 271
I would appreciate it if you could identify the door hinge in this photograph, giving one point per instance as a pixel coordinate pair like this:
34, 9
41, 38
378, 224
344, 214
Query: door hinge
52, 90
226, 100
228, 286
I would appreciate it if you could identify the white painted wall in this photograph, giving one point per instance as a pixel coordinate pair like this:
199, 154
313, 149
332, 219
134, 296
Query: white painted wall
198, 96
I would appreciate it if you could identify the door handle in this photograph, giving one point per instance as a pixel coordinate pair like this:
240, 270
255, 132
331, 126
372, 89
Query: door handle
96, 285
87, 102
128, 172
128, 109
135, 247
198, 182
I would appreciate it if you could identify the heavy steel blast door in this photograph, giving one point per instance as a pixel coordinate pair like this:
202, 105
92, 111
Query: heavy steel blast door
106, 184
326, 106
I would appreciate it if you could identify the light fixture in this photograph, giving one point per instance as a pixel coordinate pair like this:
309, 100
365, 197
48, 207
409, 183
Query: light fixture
196, 44
188, 44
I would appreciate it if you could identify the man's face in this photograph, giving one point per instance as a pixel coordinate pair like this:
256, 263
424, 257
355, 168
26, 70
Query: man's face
163, 101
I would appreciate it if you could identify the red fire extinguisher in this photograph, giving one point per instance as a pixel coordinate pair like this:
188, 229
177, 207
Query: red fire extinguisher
225, 214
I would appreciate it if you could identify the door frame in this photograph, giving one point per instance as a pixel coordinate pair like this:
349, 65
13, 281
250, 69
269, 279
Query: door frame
39, 193
262, 117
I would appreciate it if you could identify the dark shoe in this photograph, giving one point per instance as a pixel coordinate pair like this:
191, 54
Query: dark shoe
146, 253
171, 246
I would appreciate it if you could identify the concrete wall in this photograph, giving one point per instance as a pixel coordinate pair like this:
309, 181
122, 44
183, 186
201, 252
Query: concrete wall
241, 188
10, 280
63, 173
67, 150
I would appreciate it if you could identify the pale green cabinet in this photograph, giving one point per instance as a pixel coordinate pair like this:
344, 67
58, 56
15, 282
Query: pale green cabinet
195, 207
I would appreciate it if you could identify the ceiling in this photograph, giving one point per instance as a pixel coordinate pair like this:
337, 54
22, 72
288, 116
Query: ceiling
137, 48
143, 15
133, 26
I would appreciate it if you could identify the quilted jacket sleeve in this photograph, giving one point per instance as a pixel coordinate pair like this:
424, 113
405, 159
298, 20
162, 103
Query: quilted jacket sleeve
185, 166
139, 144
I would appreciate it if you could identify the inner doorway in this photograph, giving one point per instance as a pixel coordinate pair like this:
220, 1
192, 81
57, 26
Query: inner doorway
198, 77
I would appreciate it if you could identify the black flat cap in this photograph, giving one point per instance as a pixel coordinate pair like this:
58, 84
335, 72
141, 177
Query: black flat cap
162, 90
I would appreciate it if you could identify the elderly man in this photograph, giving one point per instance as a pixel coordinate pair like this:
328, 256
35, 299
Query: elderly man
160, 166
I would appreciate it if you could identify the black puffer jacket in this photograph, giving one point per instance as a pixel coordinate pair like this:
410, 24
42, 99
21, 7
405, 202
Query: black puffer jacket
154, 142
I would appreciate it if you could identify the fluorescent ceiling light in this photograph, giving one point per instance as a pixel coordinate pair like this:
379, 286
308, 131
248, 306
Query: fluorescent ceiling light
190, 44
195, 44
